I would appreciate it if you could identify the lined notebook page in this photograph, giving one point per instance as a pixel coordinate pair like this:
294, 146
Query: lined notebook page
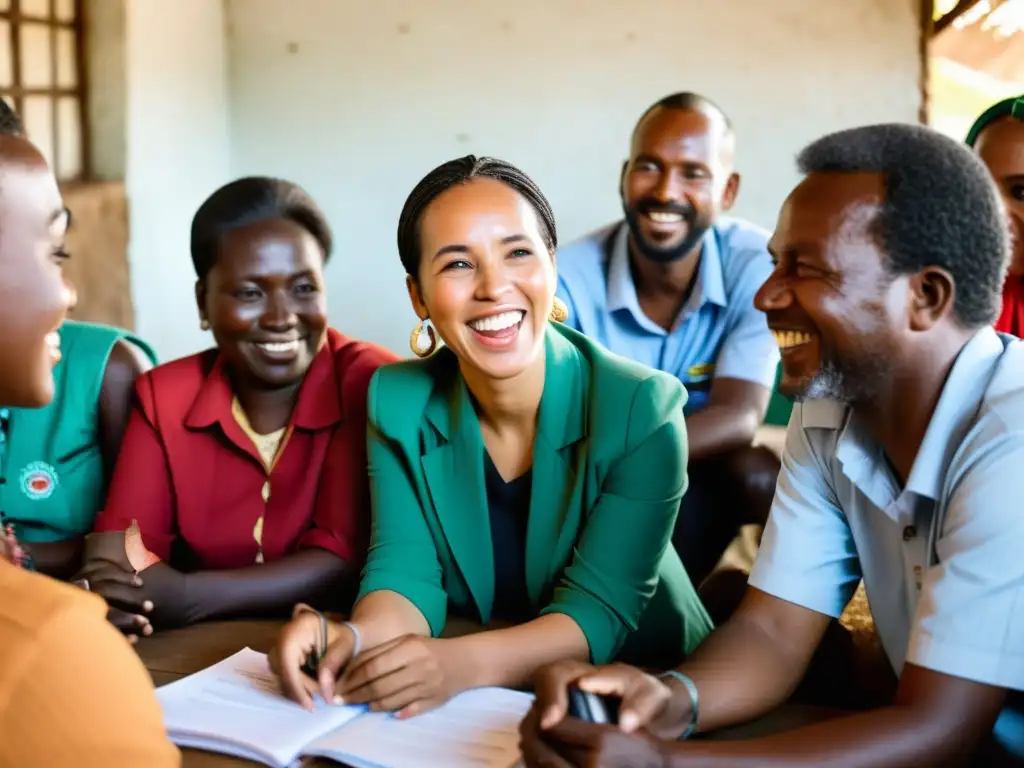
476, 729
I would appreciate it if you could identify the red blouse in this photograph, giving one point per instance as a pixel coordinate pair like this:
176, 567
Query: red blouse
1011, 319
193, 479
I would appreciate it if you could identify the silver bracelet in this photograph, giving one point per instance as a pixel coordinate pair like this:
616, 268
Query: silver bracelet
691, 688
357, 644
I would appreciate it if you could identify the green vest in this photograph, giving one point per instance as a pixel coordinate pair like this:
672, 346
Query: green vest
51, 464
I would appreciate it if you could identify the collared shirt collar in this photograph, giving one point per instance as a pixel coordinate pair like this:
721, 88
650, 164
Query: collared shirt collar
957, 407
862, 457
318, 404
710, 287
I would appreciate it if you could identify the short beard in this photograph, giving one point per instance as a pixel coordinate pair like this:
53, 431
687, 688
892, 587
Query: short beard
697, 228
852, 383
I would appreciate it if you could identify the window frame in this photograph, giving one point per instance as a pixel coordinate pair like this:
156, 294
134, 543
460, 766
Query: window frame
16, 92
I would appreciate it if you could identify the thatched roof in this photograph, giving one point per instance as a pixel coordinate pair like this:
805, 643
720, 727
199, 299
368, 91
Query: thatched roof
984, 35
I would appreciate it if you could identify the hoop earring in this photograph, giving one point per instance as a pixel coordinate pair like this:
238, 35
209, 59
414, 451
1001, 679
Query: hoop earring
416, 341
204, 324
559, 312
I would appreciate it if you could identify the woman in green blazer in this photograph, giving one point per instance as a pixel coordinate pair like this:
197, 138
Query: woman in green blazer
521, 474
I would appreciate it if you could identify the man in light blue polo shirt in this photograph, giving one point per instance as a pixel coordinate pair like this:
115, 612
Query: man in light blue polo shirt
901, 467
673, 286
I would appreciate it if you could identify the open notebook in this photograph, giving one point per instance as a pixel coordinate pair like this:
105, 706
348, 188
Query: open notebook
236, 707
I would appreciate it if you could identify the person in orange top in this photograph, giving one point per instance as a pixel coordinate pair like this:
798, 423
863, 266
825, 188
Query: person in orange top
71, 690
245, 465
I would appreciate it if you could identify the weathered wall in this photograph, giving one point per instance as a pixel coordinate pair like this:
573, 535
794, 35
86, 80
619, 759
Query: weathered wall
357, 100
178, 152
105, 68
98, 244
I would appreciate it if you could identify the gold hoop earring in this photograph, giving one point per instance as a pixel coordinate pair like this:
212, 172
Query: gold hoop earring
423, 327
204, 324
559, 312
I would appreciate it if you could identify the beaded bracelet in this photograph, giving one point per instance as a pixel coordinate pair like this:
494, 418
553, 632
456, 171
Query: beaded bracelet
691, 688
17, 553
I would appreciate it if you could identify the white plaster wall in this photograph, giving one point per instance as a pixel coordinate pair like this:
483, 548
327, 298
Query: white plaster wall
178, 152
357, 99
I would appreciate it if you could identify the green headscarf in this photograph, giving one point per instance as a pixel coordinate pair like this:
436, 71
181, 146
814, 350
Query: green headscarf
1011, 107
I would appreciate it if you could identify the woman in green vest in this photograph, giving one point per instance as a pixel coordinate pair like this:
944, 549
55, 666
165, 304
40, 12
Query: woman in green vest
522, 475
71, 690
56, 461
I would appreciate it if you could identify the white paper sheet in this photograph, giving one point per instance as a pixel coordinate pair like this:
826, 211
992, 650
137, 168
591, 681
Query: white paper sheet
237, 708
477, 729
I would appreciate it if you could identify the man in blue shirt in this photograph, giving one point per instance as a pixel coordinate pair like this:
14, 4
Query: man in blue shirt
673, 286
900, 468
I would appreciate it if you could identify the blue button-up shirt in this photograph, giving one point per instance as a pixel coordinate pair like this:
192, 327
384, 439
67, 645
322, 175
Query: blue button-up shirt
942, 558
719, 333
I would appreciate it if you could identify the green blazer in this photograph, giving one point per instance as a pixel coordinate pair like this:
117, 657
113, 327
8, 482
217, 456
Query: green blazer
609, 470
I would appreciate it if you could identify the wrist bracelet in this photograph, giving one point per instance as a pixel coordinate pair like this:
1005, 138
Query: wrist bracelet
691, 688
357, 643
317, 655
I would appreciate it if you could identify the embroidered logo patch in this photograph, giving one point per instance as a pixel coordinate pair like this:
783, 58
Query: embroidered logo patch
38, 480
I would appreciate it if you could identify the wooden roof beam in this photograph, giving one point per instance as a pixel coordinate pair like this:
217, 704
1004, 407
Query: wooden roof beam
962, 7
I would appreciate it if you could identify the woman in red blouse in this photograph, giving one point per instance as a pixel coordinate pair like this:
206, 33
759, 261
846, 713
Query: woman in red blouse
245, 465
998, 139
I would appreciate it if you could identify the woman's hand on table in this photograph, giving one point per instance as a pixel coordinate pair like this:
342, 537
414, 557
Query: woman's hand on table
127, 607
299, 638
166, 591
107, 572
154, 597
408, 675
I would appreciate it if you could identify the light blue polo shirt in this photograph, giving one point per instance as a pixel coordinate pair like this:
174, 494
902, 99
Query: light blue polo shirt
943, 558
719, 333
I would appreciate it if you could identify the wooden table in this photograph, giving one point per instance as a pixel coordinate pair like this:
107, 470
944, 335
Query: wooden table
175, 654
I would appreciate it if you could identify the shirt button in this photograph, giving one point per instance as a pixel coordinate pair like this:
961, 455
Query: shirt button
909, 532
266, 492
